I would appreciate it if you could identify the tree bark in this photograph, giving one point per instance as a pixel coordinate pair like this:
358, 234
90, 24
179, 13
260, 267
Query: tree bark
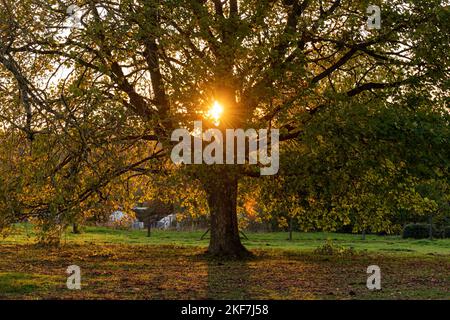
430, 230
221, 188
290, 228
76, 228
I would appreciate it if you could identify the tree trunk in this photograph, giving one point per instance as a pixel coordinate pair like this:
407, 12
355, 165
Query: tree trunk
221, 188
290, 228
76, 229
430, 231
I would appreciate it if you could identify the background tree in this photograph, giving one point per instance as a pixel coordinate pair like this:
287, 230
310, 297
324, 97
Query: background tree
372, 167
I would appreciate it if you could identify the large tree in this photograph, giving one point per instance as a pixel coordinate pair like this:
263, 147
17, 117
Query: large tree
96, 101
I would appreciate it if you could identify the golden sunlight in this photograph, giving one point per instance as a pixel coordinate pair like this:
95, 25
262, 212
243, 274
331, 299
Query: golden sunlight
215, 112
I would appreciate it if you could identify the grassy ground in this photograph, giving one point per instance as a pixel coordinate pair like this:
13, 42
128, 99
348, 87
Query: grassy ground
274, 240
170, 265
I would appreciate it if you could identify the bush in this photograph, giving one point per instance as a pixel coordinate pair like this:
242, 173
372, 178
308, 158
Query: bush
418, 231
331, 249
446, 232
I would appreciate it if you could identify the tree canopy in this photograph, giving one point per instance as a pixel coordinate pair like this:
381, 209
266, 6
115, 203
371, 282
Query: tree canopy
88, 103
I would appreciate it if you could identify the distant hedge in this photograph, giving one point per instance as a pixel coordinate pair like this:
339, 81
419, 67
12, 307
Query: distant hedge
446, 232
417, 231
422, 231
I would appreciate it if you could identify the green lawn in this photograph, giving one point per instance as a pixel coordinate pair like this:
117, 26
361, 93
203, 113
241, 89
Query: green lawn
275, 240
119, 264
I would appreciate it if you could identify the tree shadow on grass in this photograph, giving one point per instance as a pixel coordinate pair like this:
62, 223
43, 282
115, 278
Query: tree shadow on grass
229, 279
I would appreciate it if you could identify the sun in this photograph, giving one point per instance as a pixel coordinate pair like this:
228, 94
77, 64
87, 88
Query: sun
215, 112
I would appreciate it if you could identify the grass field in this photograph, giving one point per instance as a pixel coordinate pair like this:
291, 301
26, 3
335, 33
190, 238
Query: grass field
170, 265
